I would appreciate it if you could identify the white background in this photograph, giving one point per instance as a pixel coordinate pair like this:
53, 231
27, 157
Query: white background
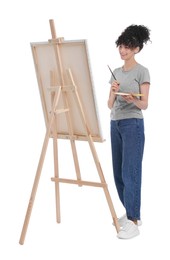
86, 230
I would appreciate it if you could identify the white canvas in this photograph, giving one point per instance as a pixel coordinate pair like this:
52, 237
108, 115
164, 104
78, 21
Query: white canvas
73, 55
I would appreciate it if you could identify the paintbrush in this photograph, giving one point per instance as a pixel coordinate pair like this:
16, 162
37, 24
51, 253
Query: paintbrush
112, 72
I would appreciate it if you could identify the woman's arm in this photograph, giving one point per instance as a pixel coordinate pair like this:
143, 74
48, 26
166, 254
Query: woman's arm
143, 102
112, 96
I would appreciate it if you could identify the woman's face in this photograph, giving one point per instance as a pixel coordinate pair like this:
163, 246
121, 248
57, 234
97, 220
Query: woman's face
127, 53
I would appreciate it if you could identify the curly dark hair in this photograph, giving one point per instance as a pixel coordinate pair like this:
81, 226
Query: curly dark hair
134, 36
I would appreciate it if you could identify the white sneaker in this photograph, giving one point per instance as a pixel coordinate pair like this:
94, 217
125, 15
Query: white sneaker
129, 230
122, 221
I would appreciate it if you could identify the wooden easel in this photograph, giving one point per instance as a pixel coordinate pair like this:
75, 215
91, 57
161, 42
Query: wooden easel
56, 92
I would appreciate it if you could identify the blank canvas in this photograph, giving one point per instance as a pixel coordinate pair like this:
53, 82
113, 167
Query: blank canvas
74, 56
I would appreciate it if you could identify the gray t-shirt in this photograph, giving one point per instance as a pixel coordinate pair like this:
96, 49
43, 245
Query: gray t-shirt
130, 81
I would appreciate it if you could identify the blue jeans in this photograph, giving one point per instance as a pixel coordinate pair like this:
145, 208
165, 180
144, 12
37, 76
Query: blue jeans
127, 143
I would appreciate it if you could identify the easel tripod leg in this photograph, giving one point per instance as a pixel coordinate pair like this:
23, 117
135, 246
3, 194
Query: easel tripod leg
112, 210
95, 156
72, 141
34, 190
106, 191
75, 157
56, 174
39, 170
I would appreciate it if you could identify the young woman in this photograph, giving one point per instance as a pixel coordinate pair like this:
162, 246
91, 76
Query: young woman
128, 97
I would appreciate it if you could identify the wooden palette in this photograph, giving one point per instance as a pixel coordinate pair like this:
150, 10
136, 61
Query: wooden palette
127, 94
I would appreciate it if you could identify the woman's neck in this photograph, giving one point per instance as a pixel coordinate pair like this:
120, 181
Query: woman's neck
128, 65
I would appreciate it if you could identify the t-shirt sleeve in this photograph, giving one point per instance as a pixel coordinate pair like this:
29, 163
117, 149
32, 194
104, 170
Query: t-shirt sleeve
145, 76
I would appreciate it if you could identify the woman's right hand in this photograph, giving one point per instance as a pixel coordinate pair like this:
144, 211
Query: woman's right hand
112, 96
115, 86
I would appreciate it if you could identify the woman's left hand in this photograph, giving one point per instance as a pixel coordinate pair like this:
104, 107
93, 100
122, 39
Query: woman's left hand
129, 98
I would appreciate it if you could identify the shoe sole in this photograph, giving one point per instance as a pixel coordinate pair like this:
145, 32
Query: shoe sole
132, 236
139, 223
